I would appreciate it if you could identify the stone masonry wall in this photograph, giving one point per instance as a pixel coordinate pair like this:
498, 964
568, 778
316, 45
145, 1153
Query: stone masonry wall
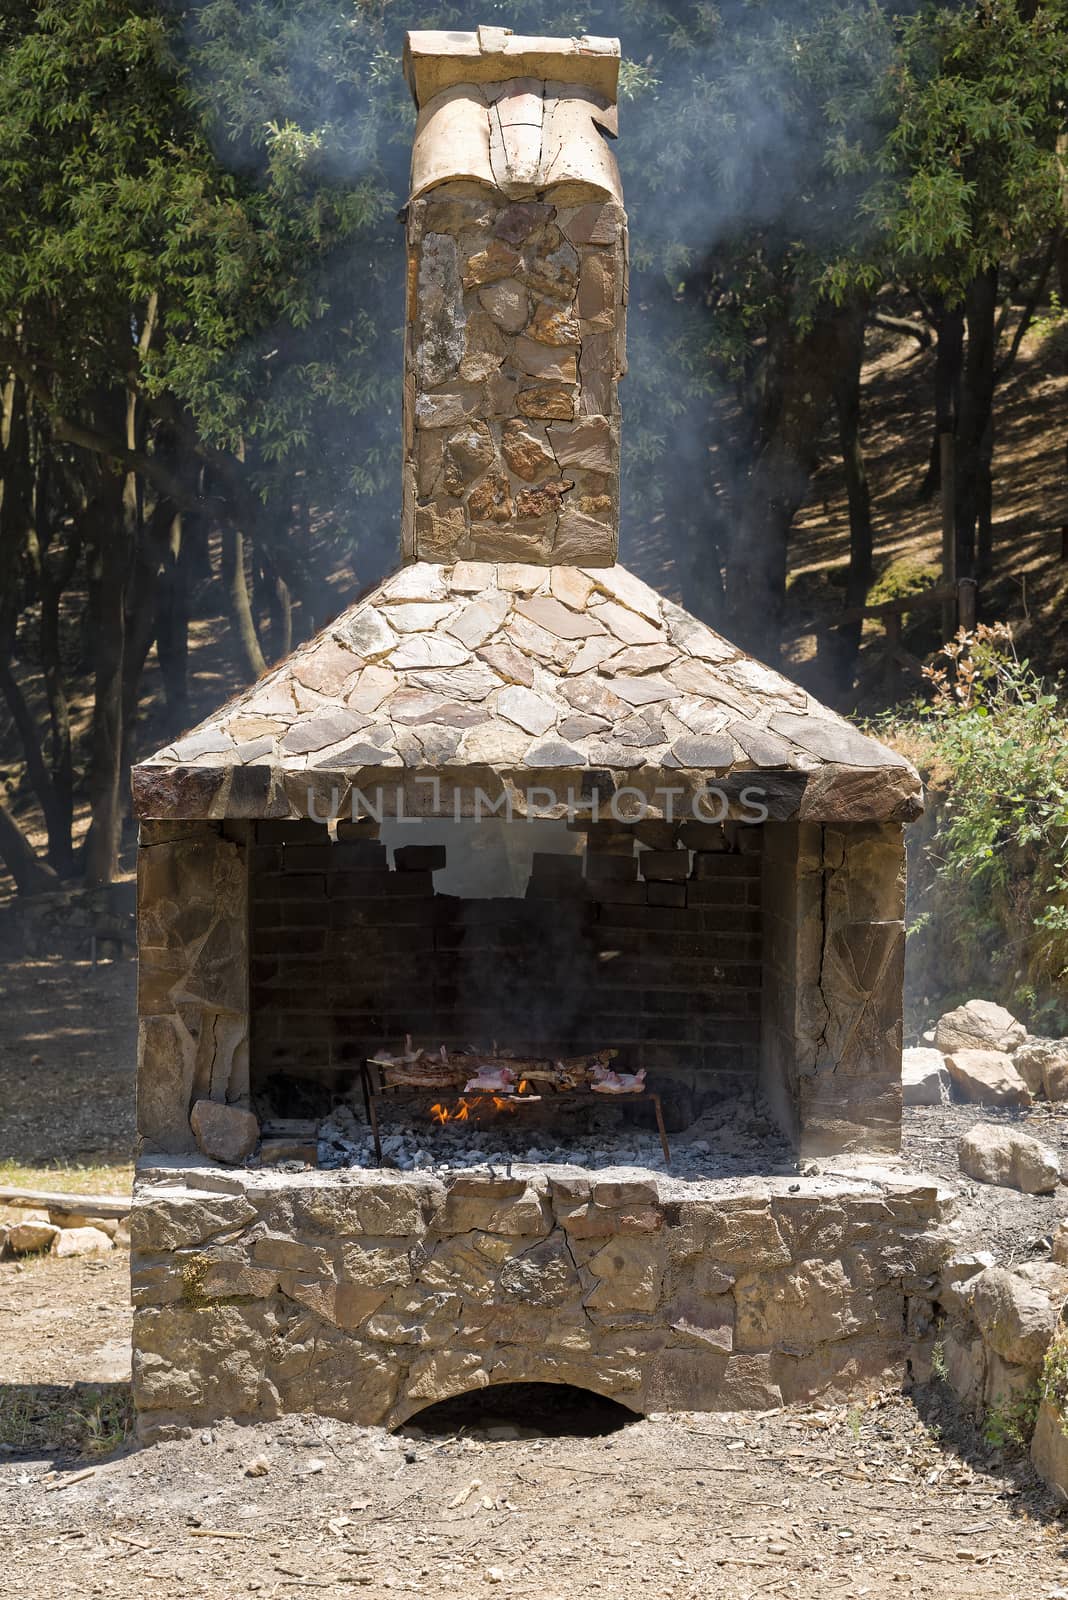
516, 340
832, 1001
368, 1296
656, 953
192, 990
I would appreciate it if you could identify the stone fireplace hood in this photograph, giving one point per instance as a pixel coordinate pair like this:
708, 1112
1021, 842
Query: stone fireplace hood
504, 676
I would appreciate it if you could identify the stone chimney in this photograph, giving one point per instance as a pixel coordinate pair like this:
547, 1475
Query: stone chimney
517, 289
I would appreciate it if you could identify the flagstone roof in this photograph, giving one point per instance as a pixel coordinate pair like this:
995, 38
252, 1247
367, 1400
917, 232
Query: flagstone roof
473, 667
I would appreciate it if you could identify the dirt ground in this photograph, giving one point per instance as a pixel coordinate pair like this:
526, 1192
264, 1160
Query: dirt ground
67, 1053
896, 1495
548, 1493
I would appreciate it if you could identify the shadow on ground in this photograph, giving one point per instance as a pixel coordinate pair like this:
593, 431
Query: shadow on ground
74, 1424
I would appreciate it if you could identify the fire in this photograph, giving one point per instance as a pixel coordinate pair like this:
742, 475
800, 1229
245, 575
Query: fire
458, 1113
461, 1111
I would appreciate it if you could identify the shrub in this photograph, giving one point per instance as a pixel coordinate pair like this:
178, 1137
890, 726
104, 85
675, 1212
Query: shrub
989, 896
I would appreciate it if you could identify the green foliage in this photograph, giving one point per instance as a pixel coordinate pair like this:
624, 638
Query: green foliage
994, 742
1053, 320
900, 579
1010, 1424
973, 161
1053, 1384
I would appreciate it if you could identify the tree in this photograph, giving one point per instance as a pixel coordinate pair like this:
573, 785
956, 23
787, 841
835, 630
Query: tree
974, 207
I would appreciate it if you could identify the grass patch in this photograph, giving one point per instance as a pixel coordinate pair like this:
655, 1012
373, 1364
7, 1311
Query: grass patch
84, 1420
107, 1178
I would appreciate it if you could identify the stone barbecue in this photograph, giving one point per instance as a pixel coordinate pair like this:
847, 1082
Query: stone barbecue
515, 806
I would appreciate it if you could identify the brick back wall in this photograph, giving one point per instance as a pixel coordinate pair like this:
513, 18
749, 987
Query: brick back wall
657, 953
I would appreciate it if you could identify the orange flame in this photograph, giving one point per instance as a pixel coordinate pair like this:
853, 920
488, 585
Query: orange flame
458, 1113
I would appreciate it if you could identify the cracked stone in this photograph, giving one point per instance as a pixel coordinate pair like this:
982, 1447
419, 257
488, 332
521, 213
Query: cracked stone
640, 691
491, 499
554, 753
374, 685
512, 665
589, 443
580, 727
639, 658
468, 452
530, 504
544, 362
570, 586
369, 635
479, 620
418, 617
440, 324
545, 402
554, 325
506, 302
517, 222
529, 710
317, 733
429, 650
525, 454
497, 261
447, 408
701, 752
471, 682
557, 618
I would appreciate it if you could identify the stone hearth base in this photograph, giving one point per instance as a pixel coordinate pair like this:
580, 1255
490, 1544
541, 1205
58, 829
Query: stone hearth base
369, 1295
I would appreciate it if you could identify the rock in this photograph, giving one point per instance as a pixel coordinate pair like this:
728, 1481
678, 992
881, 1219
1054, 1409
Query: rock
1059, 1253
965, 1368
81, 1242
224, 1133
1049, 1447
1043, 1065
174, 1220
1013, 1160
924, 1079
958, 1274
1016, 1318
26, 1238
74, 1219
506, 302
987, 1078
979, 1025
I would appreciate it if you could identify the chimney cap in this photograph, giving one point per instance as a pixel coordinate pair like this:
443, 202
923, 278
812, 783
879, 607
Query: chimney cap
435, 60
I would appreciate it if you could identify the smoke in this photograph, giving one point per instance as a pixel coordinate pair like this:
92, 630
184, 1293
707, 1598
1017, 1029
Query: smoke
745, 139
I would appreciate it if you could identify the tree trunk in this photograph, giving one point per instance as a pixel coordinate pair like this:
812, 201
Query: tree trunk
844, 641
949, 363
19, 549
29, 872
172, 626
272, 594
797, 394
975, 435
57, 820
108, 574
53, 586
250, 656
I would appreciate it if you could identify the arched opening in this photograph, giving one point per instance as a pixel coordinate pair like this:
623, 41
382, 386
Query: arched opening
522, 1411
